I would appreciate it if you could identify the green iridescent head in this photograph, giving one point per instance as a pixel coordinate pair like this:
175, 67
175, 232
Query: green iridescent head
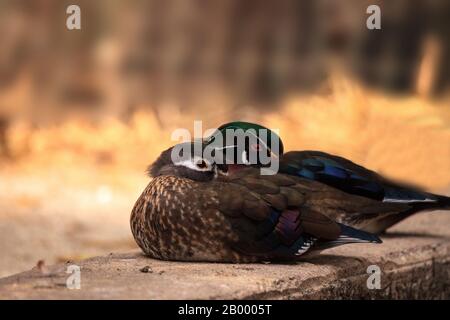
248, 140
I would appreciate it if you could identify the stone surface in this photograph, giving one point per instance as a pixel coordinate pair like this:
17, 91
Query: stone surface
414, 260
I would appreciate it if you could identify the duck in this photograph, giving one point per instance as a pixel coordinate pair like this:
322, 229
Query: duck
357, 196
195, 209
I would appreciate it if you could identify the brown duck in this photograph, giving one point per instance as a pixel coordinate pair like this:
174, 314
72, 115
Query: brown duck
196, 210
370, 202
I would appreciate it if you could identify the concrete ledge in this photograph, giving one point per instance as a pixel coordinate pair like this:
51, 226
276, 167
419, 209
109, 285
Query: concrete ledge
414, 260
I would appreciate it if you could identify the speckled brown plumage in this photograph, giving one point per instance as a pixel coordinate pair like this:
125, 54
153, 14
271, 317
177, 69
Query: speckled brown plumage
177, 218
240, 217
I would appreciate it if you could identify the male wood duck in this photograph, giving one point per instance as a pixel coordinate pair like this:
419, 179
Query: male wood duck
357, 196
196, 210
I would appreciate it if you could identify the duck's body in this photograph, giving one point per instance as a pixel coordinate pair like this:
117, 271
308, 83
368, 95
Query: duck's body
240, 217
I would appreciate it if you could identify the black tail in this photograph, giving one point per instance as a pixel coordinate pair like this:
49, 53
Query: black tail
352, 235
443, 202
417, 199
349, 235
439, 203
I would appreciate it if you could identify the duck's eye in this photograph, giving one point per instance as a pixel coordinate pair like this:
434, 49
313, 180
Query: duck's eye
201, 164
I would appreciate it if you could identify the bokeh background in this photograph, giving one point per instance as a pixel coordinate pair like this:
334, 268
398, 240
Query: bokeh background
83, 112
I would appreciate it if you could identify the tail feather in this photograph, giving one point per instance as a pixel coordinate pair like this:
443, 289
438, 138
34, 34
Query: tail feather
352, 235
380, 225
443, 202
417, 198
407, 195
349, 235
439, 203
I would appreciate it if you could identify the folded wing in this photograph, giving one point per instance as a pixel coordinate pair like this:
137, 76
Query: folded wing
268, 216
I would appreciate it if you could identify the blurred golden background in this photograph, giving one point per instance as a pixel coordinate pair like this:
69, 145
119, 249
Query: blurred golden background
83, 112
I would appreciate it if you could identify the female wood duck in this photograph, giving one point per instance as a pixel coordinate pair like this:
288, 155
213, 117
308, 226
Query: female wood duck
195, 210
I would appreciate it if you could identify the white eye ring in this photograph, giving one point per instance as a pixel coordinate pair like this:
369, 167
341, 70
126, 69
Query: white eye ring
194, 164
